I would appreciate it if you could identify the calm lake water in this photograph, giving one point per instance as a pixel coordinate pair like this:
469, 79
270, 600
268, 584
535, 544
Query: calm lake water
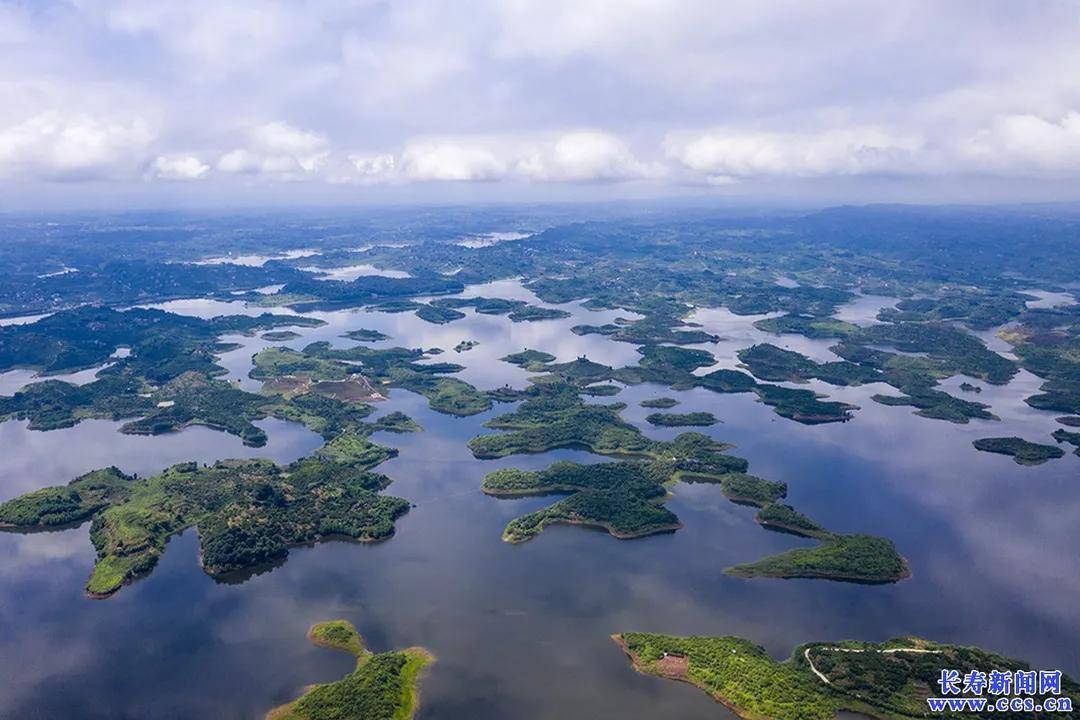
523, 631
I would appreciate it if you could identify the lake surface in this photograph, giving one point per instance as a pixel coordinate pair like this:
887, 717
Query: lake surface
523, 631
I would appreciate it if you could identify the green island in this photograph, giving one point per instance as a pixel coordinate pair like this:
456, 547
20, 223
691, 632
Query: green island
168, 380
465, 346
530, 359
482, 305
532, 313
280, 335
626, 497
602, 390
660, 403
386, 367
438, 314
1047, 343
161, 343
915, 376
383, 686
621, 497
515, 310
681, 419
248, 512
807, 325
1064, 436
850, 558
769, 362
1023, 452
366, 335
673, 366
888, 681
447, 310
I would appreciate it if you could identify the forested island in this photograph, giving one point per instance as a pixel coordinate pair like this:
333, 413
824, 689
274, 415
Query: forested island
668, 306
1022, 451
625, 497
888, 680
248, 512
681, 419
384, 686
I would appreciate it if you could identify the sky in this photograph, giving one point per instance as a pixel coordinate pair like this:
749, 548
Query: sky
217, 102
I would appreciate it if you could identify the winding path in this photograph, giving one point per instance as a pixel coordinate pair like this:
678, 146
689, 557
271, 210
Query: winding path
827, 681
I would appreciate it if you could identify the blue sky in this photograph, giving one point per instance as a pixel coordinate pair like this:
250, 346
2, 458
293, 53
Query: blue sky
196, 101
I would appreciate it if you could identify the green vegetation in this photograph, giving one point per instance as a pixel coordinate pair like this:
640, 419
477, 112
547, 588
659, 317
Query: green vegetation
337, 635
532, 313
661, 403
938, 405
777, 516
165, 384
516, 310
769, 362
465, 345
530, 359
280, 335
86, 337
808, 325
674, 366
853, 558
383, 686
395, 306
979, 309
950, 349
889, 680
602, 390
1022, 451
914, 376
384, 294
366, 335
483, 305
438, 314
803, 406
56, 507
1064, 436
681, 419
1047, 341
553, 416
746, 489
392, 367
248, 513
647, 332
622, 497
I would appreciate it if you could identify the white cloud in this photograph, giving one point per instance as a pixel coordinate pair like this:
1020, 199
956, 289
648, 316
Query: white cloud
586, 156
179, 167
307, 148
1026, 142
730, 152
574, 156
66, 147
373, 165
451, 160
532, 92
278, 149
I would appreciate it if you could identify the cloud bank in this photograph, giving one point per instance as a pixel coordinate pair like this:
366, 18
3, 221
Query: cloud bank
373, 97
